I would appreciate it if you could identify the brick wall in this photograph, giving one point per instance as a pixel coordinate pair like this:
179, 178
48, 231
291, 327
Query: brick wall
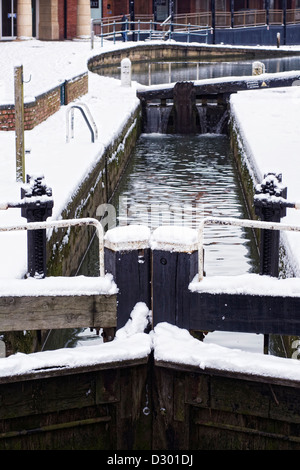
75, 88
44, 105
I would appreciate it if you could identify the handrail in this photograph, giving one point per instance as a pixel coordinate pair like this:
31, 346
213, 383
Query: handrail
131, 29
87, 117
65, 223
237, 223
166, 20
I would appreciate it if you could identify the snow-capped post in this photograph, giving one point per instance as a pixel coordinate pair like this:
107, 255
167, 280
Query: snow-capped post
270, 207
127, 258
258, 68
19, 123
36, 207
126, 72
174, 265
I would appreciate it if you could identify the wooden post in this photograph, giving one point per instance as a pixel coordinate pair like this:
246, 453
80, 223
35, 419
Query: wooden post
269, 211
174, 265
19, 123
127, 258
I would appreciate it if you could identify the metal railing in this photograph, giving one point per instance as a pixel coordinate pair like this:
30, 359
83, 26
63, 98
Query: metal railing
62, 224
293, 16
187, 23
200, 19
254, 224
249, 18
137, 29
241, 18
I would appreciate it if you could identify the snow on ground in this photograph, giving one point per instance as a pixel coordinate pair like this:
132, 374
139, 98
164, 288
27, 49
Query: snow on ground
272, 117
64, 165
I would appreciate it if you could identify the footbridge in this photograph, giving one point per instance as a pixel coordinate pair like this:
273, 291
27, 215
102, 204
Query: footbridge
140, 391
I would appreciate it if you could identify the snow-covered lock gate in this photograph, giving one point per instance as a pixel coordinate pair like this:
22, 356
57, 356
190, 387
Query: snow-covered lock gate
151, 401
200, 106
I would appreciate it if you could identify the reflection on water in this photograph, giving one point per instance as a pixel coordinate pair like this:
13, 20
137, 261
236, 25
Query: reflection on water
154, 73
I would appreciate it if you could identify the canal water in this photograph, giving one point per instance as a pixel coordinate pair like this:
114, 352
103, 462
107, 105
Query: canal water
154, 73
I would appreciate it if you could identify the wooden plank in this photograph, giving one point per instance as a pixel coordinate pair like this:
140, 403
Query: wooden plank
56, 312
131, 273
171, 272
244, 313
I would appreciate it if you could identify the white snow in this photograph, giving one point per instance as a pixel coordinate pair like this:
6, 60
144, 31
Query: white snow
127, 237
248, 284
64, 165
269, 122
174, 238
172, 344
78, 285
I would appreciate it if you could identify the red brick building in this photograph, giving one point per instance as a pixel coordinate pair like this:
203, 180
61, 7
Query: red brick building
45, 19
67, 19
161, 9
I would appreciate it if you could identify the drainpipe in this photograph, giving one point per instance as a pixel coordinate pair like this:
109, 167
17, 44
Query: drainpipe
267, 12
213, 20
284, 21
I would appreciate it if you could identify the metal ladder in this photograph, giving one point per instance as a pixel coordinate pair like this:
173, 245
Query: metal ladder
83, 108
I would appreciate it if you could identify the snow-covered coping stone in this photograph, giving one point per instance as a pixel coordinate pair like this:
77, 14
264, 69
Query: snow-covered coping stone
58, 286
247, 284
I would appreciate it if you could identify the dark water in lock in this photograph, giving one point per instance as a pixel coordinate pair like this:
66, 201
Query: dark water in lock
154, 73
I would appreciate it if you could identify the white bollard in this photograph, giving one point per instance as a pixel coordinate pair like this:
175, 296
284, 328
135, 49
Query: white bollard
126, 72
258, 68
